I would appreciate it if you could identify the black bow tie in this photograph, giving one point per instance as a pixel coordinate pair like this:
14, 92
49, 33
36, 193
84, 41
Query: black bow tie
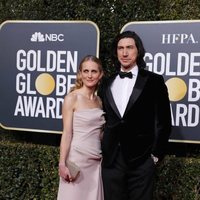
125, 74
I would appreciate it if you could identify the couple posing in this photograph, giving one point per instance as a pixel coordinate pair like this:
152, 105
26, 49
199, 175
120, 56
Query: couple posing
129, 121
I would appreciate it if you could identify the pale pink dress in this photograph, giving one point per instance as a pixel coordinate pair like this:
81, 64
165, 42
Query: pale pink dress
85, 151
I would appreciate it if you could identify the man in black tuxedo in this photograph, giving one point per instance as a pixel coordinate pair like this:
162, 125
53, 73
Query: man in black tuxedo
138, 123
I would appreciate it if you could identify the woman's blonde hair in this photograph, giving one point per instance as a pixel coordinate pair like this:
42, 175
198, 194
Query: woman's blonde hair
78, 82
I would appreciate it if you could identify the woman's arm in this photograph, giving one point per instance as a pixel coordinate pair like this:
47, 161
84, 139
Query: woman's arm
67, 114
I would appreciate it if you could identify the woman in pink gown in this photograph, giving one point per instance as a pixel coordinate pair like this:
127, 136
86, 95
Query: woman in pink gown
83, 121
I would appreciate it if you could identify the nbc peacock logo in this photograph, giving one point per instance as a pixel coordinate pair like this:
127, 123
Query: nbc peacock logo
53, 37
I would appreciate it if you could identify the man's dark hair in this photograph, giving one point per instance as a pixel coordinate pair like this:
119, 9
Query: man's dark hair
139, 44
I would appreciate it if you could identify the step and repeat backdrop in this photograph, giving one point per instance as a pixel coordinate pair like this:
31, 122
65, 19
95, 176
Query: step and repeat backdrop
173, 50
39, 62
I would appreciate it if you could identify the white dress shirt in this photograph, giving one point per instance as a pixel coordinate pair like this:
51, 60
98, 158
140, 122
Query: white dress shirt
122, 88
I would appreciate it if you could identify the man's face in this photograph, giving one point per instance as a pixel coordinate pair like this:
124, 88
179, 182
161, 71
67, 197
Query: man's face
127, 53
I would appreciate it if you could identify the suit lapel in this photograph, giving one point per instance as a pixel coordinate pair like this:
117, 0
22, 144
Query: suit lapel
110, 97
139, 85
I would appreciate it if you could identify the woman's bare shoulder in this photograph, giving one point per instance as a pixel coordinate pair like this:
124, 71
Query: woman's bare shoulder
99, 101
70, 99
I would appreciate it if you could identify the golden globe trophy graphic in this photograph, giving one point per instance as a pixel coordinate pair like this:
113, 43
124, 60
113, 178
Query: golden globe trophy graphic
177, 88
45, 84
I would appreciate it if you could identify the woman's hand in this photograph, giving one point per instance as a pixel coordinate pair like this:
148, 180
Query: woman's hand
64, 173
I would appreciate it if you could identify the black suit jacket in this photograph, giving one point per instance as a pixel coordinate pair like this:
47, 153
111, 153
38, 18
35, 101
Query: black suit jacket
146, 124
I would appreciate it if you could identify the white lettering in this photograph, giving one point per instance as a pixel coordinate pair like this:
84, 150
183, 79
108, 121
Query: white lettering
30, 106
177, 38
185, 115
194, 90
23, 83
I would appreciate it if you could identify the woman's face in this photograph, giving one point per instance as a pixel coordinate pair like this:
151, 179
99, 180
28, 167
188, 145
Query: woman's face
90, 73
